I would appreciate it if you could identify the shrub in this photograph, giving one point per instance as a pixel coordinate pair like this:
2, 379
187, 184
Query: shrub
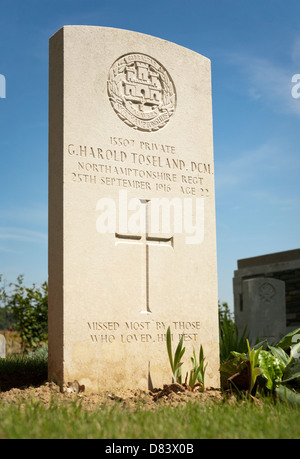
229, 336
267, 369
28, 307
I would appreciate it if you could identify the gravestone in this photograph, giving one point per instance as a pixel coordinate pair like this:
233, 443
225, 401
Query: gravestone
284, 266
263, 309
132, 243
2, 346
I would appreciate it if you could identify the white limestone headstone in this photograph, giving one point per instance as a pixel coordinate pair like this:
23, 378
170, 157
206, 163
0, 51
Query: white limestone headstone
132, 233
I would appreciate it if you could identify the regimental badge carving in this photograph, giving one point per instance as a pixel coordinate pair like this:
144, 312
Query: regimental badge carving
267, 292
141, 92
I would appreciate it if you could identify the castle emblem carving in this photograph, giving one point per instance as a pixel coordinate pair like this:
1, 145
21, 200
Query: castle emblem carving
141, 92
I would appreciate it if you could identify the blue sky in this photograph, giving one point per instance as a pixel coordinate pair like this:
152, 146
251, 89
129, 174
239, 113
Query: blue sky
254, 46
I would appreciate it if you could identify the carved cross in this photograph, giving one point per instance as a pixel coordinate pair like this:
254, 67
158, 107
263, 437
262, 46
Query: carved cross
145, 240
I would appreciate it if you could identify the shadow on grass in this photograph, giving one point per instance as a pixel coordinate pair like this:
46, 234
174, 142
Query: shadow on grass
20, 371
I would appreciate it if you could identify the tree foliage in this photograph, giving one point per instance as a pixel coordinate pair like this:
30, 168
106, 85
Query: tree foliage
27, 307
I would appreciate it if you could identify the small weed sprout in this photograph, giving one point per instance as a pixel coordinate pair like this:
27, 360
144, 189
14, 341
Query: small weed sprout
197, 374
255, 371
176, 361
198, 371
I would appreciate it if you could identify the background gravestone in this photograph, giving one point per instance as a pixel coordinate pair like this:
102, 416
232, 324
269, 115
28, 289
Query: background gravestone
130, 123
263, 309
2, 346
284, 266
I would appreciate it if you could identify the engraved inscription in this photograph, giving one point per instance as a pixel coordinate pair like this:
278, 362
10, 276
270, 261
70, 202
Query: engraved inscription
130, 332
141, 92
128, 163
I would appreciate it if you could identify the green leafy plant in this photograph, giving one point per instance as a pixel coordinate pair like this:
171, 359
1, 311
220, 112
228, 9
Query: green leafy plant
287, 351
229, 335
175, 362
198, 371
197, 374
242, 371
255, 371
274, 369
29, 308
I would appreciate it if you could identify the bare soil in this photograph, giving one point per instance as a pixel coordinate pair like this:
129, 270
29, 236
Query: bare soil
170, 395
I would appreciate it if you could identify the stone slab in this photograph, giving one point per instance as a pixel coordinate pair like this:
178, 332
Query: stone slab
284, 266
130, 123
270, 259
262, 309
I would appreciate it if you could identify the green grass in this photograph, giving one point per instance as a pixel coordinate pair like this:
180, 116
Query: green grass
18, 370
192, 421
213, 420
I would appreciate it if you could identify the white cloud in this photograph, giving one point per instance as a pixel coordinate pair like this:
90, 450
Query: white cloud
295, 52
35, 214
269, 81
243, 165
22, 235
8, 250
259, 176
275, 199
